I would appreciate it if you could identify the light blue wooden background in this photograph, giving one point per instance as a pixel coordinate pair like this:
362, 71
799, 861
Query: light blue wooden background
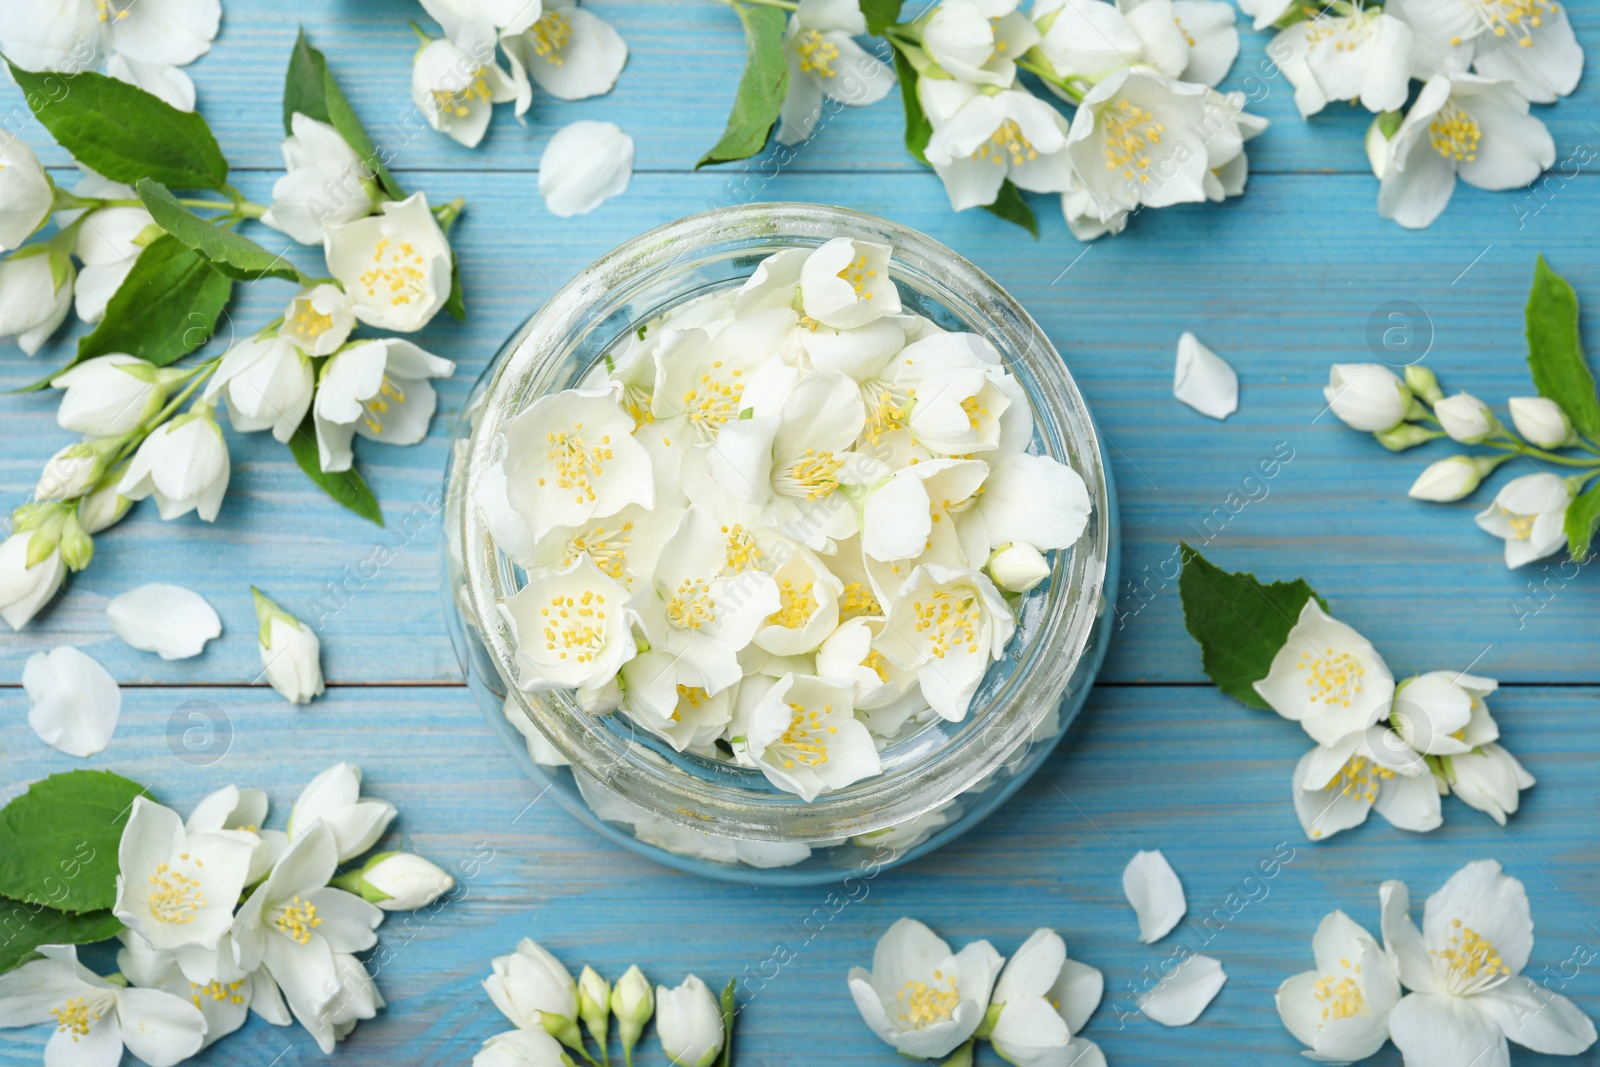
1282, 282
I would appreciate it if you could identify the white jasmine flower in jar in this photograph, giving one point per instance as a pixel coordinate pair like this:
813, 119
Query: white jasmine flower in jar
987, 138
910, 513
884, 694
378, 390
1328, 678
1460, 125
947, 625
1360, 55
979, 40
1340, 1010
395, 265
1529, 515
327, 184
843, 284
808, 611
804, 736
920, 997
666, 693
569, 52
824, 61
572, 628
456, 89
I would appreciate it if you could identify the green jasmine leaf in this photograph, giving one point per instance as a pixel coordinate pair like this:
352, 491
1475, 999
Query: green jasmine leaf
24, 927
230, 253
1583, 515
303, 86
730, 1009
123, 132
1555, 350
1010, 206
880, 14
58, 841
166, 307
761, 89
456, 304
1239, 621
347, 487
918, 129
344, 120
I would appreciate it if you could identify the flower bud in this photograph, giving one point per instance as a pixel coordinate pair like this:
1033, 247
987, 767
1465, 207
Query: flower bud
1378, 134
400, 881
594, 1004
290, 652
77, 547
102, 508
1423, 382
632, 1003
1018, 567
1452, 478
1366, 396
1406, 435
72, 471
1465, 418
689, 1023
26, 193
1542, 422
26, 586
42, 522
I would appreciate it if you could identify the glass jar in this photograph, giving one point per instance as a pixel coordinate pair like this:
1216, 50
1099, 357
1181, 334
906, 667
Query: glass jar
715, 818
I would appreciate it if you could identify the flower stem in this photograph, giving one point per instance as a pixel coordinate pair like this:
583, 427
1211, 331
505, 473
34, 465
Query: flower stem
1053, 78
781, 5
1539, 453
196, 378
246, 208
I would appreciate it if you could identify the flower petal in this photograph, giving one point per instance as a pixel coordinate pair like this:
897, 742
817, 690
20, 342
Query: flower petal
169, 620
1491, 902
1439, 1030
1033, 967
1537, 1018
1203, 380
159, 1028
1152, 887
585, 164
73, 702
1185, 993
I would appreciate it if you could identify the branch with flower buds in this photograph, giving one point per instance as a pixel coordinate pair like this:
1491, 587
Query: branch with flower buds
1535, 514
156, 273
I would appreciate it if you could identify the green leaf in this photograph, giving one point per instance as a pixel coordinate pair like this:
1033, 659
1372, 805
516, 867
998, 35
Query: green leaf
1555, 351
122, 132
456, 304
303, 86
918, 129
24, 927
58, 841
730, 1009
1010, 206
1239, 622
1583, 515
355, 135
236, 256
880, 14
761, 88
165, 308
347, 487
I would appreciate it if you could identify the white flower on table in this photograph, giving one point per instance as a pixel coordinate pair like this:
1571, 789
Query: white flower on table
291, 655
534, 991
979, 40
689, 1023
1529, 515
95, 1019
395, 265
1340, 1010
1084, 40
456, 88
26, 193
947, 625
1337, 785
1364, 54
1366, 396
1464, 970
73, 702
981, 139
110, 395
242, 810
1443, 713
1132, 142
569, 52
28, 580
1460, 125
267, 383
224, 1000
183, 464
521, 1048
1327, 678
1488, 779
333, 799
824, 61
108, 243
175, 888
79, 36
326, 183
920, 997
403, 881
573, 628
1211, 30
35, 296
1527, 42
585, 164
1464, 417
318, 320
804, 736
1044, 999
378, 390
1542, 422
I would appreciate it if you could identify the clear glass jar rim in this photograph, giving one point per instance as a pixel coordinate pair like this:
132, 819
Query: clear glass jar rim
992, 732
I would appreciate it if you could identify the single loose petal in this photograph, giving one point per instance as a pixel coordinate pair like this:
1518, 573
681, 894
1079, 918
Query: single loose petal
1152, 887
1204, 380
73, 702
169, 620
1185, 993
585, 164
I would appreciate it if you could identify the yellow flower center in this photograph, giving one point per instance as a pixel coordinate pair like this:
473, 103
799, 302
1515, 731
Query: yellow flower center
217, 991
692, 695
857, 599
1455, 134
377, 405
1361, 778
1333, 679
857, 274
1470, 959
1521, 526
310, 322
879, 665
1340, 997
1130, 132
296, 920
691, 607
75, 1017
975, 411
886, 410
575, 461
806, 739
458, 102
925, 1003
396, 272
948, 620
575, 627
1007, 144
105, 12
1518, 17
550, 36
608, 551
815, 474
817, 53
713, 401
797, 605
175, 897
743, 553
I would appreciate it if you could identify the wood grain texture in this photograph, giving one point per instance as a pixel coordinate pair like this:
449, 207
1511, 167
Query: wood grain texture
1295, 275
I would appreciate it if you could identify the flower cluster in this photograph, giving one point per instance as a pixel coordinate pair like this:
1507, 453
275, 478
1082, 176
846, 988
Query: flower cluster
155, 278
137, 42
1463, 969
1535, 514
1396, 748
537, 993
222, 918
1480, 63
928, 1002
780, 525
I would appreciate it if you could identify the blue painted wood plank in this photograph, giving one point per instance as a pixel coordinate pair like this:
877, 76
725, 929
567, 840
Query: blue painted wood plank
685, 59
1283, 282
1184, 770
